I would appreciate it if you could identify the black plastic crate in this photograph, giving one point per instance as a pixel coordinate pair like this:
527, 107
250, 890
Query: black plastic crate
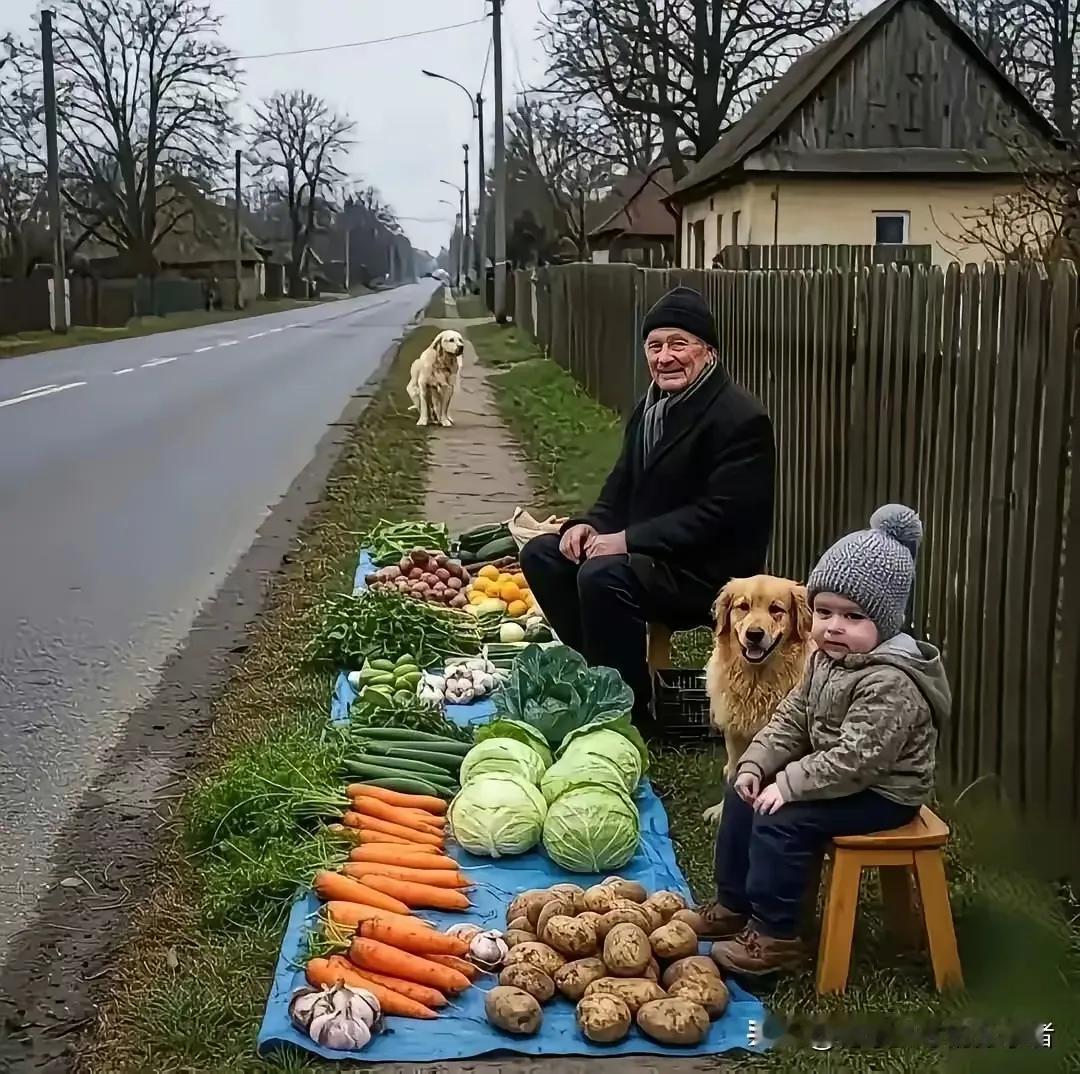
681, 706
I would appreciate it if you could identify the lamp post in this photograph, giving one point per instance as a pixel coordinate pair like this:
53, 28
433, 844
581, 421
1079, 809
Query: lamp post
457, 218
462, 209
476, 103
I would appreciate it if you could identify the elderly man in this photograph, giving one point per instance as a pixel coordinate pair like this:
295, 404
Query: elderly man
688, 505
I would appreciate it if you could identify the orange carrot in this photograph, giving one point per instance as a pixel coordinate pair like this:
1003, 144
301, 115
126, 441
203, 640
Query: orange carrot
438, 878
418, 857
373, 824
418, 801
333, 886
321, 972
360, 838
406, 818
459, 964
350, 914
416, 941
382, 958
429, 997
419, 895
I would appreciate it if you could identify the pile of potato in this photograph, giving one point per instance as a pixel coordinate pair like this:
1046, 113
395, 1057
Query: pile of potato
622, 955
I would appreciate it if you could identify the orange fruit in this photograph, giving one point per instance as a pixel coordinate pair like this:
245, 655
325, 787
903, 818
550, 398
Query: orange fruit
510, 593
519, 581
516, 608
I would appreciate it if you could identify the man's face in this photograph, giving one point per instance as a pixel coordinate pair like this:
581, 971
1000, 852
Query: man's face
675, 357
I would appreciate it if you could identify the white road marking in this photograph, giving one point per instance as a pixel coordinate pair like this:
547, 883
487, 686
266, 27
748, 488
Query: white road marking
269, 330
256, 335
296, 324
199, 350
228, 343
121, 372
157, 361
32, 391
42, 394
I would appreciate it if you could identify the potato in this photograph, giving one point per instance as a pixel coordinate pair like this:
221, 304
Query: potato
674, 940
667, 903
656, 919
624, 916
519, 908
515, 936
537, 905
538, 955
570, 936
556, 908
627, 889
652, 970
694, 966
693, 919
595, 920
529, 979
603, 1019
521, 923
570, 893
626, 951
673, 1021
600, 899
575, 977
513, 1010
707, 990
633, 991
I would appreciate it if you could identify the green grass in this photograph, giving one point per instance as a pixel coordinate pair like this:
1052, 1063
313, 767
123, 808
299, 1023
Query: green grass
192, 983
437, 306
1020, 956
15, 346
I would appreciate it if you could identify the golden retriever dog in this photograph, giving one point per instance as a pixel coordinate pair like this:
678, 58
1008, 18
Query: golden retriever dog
760, 647
435, 376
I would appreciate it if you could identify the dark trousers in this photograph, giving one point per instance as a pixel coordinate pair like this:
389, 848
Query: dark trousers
595, 607
764, 862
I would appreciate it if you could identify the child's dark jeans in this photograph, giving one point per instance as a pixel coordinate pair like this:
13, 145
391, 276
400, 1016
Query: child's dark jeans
764, 862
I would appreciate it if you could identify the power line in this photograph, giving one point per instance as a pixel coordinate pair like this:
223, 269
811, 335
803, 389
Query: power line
359, 44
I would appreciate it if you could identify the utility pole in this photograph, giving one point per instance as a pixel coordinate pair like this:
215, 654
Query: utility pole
56, 217
461, 242
481, 199
236, 231
584, 251
348, 235
500, 166
466, 253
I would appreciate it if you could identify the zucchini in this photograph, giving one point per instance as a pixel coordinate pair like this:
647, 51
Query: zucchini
368, 760
368, 772
408, 785
449, 761
403, 734
496, 549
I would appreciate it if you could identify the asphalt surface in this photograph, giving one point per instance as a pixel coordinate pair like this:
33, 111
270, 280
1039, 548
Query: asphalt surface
133, 477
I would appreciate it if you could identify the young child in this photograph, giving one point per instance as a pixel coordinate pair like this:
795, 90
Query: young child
850, 750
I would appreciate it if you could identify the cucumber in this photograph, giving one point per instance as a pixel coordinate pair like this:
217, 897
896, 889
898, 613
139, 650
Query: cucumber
381, 665
501, 546
381, 678
409, 678
405, 734
406, 660
408, 785
366, 764
450, 762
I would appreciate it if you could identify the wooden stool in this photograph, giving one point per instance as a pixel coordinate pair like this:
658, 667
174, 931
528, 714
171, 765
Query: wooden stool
658, 646
916, 849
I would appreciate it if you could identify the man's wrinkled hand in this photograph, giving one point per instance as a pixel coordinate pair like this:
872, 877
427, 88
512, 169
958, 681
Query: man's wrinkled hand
606, 544
747, 785
770, 800
572, 542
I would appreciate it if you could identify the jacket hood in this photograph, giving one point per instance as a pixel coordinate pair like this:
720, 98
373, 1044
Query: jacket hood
918, 659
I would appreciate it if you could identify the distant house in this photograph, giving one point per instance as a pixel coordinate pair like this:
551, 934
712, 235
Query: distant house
895, 131
642, 228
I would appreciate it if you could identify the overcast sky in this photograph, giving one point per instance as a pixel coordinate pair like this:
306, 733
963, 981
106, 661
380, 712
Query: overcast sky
409, 128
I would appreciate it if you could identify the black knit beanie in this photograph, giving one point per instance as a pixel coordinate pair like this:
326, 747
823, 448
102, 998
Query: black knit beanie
684, 308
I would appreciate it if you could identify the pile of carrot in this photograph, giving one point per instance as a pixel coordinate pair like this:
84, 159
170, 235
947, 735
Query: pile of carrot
399, 865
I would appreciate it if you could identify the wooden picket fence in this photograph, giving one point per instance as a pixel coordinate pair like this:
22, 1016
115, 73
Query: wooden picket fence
956, 392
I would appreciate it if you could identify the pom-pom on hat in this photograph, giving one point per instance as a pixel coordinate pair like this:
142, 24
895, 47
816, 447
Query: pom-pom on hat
874, 568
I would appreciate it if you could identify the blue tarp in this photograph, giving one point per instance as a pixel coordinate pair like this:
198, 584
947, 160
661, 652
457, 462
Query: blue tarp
463, 1032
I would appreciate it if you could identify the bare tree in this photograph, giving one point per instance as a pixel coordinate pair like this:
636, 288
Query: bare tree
297, 141
691, 66
143, 95
21, 180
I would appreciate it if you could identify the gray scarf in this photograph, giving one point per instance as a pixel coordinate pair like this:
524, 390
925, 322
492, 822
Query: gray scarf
658, 403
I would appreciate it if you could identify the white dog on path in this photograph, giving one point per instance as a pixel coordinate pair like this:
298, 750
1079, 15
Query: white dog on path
434, 378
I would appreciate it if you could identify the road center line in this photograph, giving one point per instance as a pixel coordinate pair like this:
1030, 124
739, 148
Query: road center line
121, 372
228, 343
157, 361
43, 393
269, 330
256, 335
199, 350
33, 391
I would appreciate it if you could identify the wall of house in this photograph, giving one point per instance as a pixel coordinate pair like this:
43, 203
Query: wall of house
822, 210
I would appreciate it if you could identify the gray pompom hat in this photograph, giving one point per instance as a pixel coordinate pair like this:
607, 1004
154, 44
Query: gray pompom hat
874, 568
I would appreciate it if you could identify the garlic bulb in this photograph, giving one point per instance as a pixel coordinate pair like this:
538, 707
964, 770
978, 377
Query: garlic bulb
306, 1003
488, 950
339, 1031
464, 931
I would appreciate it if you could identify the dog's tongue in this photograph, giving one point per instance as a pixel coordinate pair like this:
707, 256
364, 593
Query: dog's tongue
754, 652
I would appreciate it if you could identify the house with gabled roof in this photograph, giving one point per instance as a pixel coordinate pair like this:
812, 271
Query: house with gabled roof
898, 130
641, 228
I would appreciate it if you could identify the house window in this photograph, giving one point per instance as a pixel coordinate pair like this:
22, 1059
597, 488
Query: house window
735, 217
699, 244
892, 228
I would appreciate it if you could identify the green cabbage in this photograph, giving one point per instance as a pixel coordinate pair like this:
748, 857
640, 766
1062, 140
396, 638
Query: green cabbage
496, 815
516, 729
506, 755
605, 746
574, 769
592, 828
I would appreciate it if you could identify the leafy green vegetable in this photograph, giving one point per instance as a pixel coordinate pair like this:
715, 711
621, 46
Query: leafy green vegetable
388, 542
415, 715
605, 745
555, 691
502, 755
577, 768
515, 729
618, 722
592, 828
497, 815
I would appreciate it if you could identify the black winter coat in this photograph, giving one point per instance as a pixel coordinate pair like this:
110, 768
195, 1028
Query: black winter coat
701, 511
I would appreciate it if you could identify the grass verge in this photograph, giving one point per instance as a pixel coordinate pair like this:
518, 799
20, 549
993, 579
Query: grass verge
1021, 957
192, 984
23, 343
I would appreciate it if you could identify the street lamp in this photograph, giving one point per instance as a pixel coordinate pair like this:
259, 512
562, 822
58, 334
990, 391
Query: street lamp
476, 103
457, 217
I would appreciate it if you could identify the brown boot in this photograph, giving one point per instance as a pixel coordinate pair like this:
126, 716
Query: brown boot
753, 954
720, 922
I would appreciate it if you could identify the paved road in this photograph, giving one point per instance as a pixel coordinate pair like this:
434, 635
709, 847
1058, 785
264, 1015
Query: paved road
133, 476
